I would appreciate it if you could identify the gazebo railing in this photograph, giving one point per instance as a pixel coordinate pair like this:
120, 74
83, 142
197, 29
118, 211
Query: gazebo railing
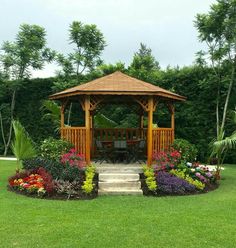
75, 135
119, 133
162, 139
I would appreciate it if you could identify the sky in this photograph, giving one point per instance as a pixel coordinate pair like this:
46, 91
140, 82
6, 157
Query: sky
166, 26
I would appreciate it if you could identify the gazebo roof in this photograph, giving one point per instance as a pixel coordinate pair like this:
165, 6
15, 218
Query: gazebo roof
117, 83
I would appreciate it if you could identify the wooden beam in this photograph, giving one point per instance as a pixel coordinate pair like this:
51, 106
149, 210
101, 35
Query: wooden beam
173, 123
149, 131
87, 126
62, 110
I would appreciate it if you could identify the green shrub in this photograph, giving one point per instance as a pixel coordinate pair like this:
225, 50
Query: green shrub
55, 168
88, 184
187, 150
53, 149
150, 178
72, 173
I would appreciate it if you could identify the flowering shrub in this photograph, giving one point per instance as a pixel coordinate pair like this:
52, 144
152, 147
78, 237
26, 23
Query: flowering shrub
170, 184
202, 173
73, 159
38, 181
53, 148
188, 151
182, 174
167, 160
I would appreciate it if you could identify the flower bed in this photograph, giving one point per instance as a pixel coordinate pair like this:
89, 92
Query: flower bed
173, 176
65, 178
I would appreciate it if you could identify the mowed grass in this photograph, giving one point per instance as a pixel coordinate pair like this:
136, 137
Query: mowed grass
207, 220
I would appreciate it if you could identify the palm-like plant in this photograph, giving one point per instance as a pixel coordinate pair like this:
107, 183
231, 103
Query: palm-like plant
22, 145
52, 112
101, 121
221, 146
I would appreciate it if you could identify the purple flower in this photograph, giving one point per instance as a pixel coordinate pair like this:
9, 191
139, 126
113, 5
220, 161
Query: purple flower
170, 184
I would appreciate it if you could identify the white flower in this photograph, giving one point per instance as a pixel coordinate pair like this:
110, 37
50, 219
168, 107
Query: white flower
189, 164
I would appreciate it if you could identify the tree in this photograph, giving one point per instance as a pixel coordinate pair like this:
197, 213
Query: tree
144, 65
218, 30
28, 52
89, 43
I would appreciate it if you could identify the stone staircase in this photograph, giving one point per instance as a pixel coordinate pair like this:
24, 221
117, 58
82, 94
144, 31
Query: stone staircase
119, 179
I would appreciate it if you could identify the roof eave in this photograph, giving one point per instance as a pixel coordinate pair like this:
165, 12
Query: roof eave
162, 94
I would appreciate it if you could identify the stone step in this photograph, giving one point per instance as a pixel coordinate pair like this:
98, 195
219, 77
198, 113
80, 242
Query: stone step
119, 185
127, 177
120, 192
115, 169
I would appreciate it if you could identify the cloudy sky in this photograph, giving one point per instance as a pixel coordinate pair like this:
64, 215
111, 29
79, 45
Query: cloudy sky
166, 26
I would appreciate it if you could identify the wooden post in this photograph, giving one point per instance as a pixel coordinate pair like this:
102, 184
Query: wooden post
149, 131
141, 118
87, 126
63, 106
172, 112
92, 132
173, 122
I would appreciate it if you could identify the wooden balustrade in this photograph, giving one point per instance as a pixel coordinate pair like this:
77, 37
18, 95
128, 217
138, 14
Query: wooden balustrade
75, 135
119, 133
162, 139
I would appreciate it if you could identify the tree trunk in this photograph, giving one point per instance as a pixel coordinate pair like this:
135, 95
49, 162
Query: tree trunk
228, 95
13, 99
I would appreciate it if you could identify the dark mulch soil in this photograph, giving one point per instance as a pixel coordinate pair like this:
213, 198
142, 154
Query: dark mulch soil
157, 193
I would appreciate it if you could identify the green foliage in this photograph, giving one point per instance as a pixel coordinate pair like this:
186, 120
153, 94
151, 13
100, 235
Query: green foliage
22, 145
53, 149
144, 65
187, 150
182, 174
217, 29
18, 58
101, 121
52, 112
223, 144
88, 184
55, 168
89, 43
150, 178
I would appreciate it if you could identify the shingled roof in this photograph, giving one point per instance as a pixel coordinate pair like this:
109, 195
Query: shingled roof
117, 83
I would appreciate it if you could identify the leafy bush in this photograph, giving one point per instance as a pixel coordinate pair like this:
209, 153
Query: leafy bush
53, 167
71, 173
22, 146
170, 184
88, 185
53, 149
150, 178
187, 150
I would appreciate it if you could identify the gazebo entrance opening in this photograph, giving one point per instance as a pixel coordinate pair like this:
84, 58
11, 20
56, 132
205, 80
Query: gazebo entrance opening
118, 88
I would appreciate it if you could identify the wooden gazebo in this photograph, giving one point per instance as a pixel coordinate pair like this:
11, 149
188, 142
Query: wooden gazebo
128, 90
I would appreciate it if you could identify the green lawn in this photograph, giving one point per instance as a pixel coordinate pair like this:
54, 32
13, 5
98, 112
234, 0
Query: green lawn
207, 220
